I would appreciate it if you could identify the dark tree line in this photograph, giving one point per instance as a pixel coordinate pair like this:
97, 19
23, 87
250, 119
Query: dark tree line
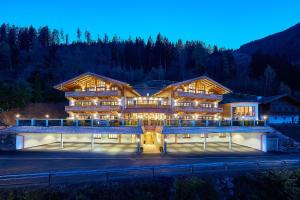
36, 59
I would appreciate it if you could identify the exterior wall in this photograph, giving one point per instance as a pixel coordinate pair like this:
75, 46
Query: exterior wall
226, 111
253, 140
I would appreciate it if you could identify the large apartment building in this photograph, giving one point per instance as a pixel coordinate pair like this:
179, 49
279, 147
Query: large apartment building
108, 115
92, 96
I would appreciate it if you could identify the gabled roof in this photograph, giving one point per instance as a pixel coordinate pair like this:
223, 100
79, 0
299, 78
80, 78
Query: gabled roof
204, 79
266, 100
238, 97
85, 76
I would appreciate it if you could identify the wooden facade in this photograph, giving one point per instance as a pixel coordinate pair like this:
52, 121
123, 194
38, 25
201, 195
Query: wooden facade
92, 96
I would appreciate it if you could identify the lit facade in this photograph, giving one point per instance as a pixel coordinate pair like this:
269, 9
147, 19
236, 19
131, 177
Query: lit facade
92, 96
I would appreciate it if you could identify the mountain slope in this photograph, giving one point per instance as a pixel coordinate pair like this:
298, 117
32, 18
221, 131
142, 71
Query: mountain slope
285, 43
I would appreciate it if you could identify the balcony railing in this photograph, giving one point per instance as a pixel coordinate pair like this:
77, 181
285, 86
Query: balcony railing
197, 109
105, 93
135, 122
198, 95
93, 108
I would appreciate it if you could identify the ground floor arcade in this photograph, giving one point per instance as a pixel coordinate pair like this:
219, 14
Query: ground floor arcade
149, 142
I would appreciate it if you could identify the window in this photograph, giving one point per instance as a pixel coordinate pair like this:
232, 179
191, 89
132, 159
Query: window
112, 136
114, 88
192, 88
244, 111
186, 136
97, 136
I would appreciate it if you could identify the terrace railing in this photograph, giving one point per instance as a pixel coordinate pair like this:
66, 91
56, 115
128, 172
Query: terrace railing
199, 95
93, 93
134, 122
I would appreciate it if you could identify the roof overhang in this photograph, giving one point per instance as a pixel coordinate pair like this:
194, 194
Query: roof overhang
204, 79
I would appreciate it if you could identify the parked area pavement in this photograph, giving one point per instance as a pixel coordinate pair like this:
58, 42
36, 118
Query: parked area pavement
210, 148
53, 161
109, 149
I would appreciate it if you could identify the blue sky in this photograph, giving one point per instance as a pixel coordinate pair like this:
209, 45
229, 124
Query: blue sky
227, 23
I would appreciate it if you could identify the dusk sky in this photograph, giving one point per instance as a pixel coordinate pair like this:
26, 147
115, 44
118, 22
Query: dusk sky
229, 23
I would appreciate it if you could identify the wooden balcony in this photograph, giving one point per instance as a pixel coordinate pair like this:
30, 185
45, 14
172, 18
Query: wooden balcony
199, 95
148, 108
105, 93
194, 109
92, 108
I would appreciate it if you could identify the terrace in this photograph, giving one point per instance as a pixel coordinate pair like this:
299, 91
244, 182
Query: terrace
140, 122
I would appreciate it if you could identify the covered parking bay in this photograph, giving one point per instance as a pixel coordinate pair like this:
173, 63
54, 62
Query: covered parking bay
220, 139
111, 140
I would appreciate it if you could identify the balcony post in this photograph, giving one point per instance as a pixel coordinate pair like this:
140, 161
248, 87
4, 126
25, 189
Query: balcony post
17, 122
254, 122
206, 123
179, 122
32, 122
138, 144
76, 122
243, 122
193, 122
230, 141
265, 122
92, 141
61, 141
61, 122
219, 122
92, 122
47, 123
165, 144
204, 142
107, 122
231, 122
123, 122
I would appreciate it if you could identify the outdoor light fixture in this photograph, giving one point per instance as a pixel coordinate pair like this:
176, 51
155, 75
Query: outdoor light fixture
18, 115
47, 116
265, 117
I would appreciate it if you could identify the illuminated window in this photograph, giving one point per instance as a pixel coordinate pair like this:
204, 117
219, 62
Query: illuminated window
248, 111
112, 136
97, 136
192, 87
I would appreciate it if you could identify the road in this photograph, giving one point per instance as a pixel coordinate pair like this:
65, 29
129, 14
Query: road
35, 161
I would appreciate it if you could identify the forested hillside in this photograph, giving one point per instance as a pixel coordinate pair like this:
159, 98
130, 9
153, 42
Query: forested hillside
32, 60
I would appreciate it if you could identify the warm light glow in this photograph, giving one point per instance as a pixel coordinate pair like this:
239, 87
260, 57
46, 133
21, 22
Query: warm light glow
95, 115
265, 117
18, 115
243, 117
47, 116
215, 104
138, 140
196, 103
72, 103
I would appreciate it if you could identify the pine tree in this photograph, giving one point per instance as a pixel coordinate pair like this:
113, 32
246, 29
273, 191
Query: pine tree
78, 35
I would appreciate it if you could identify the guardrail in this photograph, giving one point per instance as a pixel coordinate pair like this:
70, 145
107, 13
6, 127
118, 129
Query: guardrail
140, 172
132, 122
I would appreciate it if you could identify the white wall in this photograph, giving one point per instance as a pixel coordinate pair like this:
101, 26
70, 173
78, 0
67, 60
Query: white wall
31, 140
253, 140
